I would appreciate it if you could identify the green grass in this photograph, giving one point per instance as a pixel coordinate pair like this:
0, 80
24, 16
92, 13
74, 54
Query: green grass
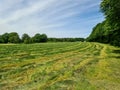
59, 66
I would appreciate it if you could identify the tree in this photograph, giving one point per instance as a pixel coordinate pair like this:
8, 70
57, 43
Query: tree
14, 37
36, 38
1, 40
111, 9
109, 30
43, 38
66, 39
98, 33
5, 38
27, 41
26, 38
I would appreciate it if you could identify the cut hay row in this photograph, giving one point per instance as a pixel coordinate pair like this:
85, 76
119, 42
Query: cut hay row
59, 66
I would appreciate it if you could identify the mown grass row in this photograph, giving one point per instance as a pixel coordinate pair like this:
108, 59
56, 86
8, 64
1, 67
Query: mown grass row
59, 66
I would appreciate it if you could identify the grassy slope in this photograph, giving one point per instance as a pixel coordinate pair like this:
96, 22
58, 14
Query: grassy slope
59, 66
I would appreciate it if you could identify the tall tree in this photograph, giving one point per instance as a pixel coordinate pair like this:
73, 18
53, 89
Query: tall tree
36, 38
14, 37
99, 33
43, 38
111, 9
26, 38
1, 40
5, 38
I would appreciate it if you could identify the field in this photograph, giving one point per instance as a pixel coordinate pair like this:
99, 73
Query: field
59, 66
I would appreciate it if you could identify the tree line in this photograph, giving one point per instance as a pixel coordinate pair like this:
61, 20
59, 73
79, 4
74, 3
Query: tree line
109, 30
13, 37
66, 39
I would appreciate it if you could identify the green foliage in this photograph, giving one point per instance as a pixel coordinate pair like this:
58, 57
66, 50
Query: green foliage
25, 36
109, 30
26, 39
39, 38
111, 9
65, 39
1, 39
100, 33
14, 37
36, 38
43, 38
5, 37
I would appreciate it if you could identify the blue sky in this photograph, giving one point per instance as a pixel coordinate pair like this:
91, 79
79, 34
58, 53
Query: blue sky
56, 18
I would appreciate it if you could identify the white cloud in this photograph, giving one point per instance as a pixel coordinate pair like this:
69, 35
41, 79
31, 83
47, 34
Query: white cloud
38, 6
43, 15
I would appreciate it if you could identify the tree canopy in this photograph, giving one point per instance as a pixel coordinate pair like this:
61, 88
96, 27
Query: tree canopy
111, 9
26, 38
13, 37
109, 30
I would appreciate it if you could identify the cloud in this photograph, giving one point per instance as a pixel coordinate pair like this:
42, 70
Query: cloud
38, 6
48, 16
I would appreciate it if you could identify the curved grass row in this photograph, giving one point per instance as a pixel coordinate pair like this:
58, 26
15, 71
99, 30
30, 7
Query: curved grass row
59, 66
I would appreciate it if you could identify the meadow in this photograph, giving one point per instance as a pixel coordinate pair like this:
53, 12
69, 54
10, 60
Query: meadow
59, 66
